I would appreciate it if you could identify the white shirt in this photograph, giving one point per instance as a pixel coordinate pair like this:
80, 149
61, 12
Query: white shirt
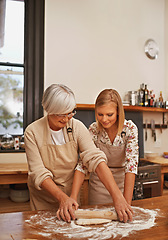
57, 137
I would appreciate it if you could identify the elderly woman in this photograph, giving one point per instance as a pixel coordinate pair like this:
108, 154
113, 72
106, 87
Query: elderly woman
53, 145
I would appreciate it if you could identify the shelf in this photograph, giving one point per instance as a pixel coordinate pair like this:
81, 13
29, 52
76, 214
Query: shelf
85, 106
126, 108
11, 150
7, 206
145, 109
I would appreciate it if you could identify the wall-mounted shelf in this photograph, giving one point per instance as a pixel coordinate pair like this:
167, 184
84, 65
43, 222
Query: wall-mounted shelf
126, 108
145, 109
85, 106
11, 150
158, 126
134, 109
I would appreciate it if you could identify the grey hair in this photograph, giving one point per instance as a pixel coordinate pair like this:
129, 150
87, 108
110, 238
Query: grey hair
58, 99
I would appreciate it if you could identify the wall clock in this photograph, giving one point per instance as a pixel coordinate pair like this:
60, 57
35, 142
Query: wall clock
151, 49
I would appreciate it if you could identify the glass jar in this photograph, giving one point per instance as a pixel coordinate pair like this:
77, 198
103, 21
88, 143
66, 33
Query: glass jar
22, 144
133, 97
7, 142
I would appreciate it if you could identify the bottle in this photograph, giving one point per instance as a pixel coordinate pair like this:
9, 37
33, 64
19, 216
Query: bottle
145, 96
150, 99
161, 100
140, 95
154, 100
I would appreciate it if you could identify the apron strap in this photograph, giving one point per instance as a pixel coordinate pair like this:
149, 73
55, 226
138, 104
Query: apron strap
69, 131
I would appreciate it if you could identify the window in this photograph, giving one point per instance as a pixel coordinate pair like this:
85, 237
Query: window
11, 100
11, 67
21, 64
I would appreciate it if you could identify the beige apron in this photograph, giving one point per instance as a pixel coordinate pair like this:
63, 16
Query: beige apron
98, 194
61, 160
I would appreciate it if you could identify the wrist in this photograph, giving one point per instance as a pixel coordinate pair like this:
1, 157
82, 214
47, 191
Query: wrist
62, 197
73, 196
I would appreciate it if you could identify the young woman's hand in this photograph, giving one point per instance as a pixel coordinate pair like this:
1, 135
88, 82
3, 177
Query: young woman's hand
66, 209
123, 209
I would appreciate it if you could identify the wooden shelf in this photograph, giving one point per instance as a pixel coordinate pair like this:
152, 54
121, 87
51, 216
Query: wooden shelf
7, 206
11, 150
145, 109
85, 106
126, 108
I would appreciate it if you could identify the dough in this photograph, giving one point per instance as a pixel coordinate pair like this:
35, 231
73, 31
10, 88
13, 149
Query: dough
91, 221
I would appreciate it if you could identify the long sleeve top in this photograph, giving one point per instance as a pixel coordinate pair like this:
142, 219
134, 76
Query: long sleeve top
34, 141
129, 137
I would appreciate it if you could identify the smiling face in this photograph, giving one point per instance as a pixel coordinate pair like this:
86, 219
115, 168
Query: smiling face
107, 115
57, 122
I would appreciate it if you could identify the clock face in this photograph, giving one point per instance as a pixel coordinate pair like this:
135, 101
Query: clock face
151, 49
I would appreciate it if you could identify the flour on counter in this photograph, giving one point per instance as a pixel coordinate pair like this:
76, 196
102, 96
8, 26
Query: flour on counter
48, 226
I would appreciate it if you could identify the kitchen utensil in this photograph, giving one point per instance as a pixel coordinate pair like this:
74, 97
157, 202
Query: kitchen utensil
151, 155
161, 128
103, 214
152, 127
154, 131
146, 126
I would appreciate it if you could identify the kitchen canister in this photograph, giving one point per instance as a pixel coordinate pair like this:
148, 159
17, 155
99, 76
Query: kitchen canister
19, 193
132, 97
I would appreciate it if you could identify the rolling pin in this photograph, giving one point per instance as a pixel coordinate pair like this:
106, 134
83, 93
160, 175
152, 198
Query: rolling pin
88, 214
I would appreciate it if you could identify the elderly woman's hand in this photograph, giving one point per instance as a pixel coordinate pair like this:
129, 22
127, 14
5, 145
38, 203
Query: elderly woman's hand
66, 209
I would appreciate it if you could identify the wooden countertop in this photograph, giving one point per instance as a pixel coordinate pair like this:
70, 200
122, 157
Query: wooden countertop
13, 168
11, 173
15, 226
159, 160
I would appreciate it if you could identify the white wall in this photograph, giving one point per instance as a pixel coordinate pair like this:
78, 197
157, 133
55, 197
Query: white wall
166, 44
95, 44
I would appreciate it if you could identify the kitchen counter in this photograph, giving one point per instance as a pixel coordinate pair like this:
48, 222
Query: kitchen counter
11, 173
15, 226
14, 173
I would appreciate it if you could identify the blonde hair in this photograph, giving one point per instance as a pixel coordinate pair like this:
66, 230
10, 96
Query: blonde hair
111, 96
58, 99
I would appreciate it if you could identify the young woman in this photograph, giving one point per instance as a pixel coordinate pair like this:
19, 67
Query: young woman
118, 139
53, 144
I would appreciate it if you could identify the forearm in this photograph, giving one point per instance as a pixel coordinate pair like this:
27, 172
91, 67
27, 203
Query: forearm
107, 179
66, 204
77, 183
129, 186
49, 185
122, 207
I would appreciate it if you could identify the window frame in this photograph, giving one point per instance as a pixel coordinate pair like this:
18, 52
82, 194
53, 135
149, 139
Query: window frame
33, 62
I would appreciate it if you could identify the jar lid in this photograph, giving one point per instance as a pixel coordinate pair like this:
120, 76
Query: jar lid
132, 92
